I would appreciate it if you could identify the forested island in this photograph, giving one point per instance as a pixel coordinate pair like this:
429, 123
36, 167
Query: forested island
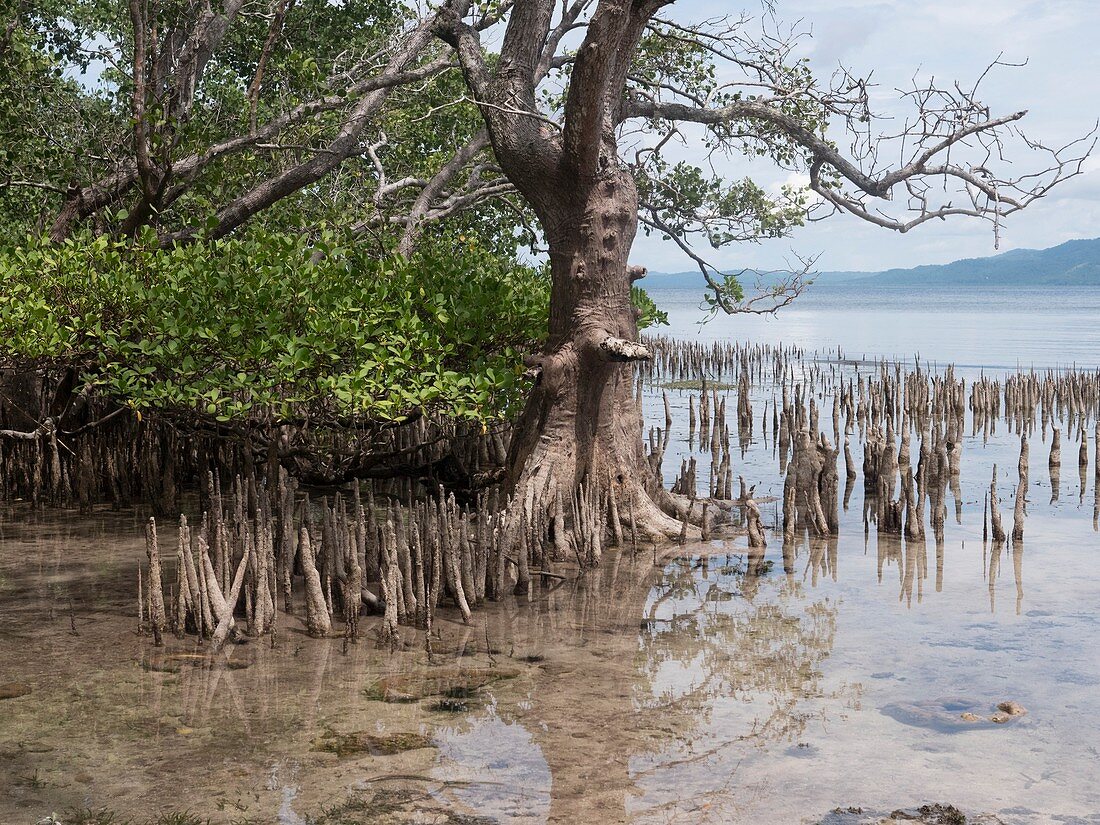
1073, 263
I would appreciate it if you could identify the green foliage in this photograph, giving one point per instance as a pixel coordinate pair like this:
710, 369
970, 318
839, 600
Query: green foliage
666, 59
271, 328
683, 199
650, 315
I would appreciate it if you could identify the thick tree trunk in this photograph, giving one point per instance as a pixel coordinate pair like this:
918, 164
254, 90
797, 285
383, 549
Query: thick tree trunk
580, 435
582, 426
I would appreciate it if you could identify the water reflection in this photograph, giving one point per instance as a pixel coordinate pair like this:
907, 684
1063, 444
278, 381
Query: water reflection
650, 678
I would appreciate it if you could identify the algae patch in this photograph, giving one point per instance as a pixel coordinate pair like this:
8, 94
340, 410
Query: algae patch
360, 742
458, 683
13, 690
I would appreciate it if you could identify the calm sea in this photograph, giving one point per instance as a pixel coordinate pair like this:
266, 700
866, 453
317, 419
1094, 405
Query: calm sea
984, 327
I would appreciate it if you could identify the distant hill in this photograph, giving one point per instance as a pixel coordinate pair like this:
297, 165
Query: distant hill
1074, 263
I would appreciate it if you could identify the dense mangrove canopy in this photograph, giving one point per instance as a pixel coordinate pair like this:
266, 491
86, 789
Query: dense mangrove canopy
272, 328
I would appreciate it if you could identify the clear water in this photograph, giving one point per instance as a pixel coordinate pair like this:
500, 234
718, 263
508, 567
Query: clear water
716, 687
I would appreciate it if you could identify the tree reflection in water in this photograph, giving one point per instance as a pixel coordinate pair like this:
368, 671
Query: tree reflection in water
654, 684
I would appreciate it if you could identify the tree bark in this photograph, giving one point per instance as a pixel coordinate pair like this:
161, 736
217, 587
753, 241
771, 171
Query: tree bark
581, 422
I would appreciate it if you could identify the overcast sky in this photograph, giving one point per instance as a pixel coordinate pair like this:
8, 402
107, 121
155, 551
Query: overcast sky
953, 39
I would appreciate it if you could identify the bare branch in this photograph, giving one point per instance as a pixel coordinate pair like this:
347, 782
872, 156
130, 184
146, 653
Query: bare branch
463, 38
31, 184
277, 18
25, 436
435, 187
343, 146
82, 201
596, 87
521, 53
952, 138
767, 298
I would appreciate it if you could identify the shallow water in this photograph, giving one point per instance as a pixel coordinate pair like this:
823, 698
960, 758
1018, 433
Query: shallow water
716, 687
705, 690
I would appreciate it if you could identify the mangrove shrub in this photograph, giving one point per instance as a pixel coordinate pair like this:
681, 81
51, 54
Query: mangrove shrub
272, 328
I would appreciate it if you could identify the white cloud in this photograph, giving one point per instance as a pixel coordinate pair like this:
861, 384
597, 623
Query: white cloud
952, 39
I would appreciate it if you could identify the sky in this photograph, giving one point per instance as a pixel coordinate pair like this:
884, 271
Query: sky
954, 40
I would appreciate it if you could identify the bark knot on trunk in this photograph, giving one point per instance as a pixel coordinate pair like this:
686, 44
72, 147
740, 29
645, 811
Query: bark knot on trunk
619, 349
